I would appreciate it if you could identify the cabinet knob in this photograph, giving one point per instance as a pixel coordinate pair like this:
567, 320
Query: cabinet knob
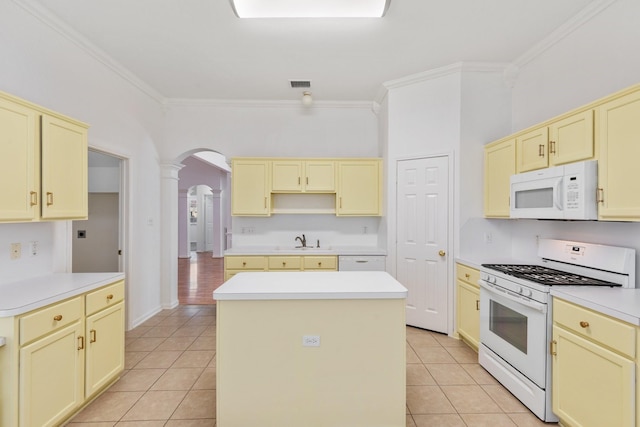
441, 252
467, 275
57, 318
584, 324
244, 264
110, 296
284, 263
319, 264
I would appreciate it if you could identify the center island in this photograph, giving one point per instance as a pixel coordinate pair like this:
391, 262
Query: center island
314, 349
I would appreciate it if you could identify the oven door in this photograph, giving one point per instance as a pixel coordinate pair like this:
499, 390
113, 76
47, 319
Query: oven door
515, 328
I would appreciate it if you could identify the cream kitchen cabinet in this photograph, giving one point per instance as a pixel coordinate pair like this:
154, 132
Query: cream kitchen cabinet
303, 176
359, 187
594, 371
468, 304
58, 357
531, 150
250, 187
499, 165
43, 163
619, 149
234, 264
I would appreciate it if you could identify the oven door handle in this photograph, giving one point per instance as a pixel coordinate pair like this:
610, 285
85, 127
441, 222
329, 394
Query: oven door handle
513, 297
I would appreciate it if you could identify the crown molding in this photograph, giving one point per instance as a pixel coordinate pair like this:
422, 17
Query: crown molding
458, 67
297, 105
591, 10
53, 22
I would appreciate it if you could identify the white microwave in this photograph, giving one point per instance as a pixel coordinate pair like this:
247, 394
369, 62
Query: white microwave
560, 192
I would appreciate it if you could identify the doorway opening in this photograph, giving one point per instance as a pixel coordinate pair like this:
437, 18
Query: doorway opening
203, 220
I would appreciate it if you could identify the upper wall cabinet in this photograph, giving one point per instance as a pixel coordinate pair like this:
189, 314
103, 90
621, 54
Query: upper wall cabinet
250, 187
359, 187
499, 165
43, 164
618, 172
264, 186
295, 176
566, 140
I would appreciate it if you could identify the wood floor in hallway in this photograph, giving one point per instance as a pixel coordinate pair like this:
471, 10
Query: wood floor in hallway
198, 277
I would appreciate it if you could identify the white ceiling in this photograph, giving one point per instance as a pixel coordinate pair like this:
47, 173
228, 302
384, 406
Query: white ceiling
200, 49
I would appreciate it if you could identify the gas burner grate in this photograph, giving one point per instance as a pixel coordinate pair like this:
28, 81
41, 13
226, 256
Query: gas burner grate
547, 276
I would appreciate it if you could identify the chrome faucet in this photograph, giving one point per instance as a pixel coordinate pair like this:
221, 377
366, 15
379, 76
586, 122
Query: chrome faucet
303, 240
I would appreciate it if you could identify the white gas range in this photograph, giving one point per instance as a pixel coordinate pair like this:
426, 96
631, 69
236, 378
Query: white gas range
515, 311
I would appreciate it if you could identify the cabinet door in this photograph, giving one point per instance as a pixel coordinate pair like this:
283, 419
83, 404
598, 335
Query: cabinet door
618, 172
571, 139
499, 165
359, 188
531, 150
64, 169
250, 194
105, 347
469, 313
52, 377
592, 386
19, 162
320, 176
287, 176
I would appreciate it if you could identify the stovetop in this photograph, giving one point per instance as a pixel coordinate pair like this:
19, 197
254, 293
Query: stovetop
547, 276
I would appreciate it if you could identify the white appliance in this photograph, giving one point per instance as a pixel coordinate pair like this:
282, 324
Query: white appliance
560, 192
361, 263
515, 311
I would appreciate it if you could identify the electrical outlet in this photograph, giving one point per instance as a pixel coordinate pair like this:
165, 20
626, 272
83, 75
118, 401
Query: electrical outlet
311, 340
16, 250
488, 237
33, 247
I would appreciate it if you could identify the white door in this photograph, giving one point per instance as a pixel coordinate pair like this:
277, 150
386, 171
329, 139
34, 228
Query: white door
208, 224
422, 229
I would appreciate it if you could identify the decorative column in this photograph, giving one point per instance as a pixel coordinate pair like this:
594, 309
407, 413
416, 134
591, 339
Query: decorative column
183, 223
169, 253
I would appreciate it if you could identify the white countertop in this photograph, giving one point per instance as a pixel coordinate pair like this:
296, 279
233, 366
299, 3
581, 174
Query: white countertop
623, 304
328, 250
311, 285
25, 295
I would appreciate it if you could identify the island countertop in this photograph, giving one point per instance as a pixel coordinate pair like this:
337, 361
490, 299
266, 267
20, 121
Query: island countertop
29, 294
311, 285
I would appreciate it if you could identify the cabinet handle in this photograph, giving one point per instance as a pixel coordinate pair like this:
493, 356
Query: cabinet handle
584, 324
307, 181
80, 342
319, 264
49, 198
92, 336
284, 263
477, 305
110, 296
541, 150
340, 202
57, 318
600, 195
552, 147
298, 180
552, 344
265, 203
34, 198
467, 275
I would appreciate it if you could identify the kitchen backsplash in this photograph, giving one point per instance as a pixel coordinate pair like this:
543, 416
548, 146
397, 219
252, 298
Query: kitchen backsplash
281, 230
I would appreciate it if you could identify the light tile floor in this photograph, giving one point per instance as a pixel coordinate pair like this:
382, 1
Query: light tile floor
170, 379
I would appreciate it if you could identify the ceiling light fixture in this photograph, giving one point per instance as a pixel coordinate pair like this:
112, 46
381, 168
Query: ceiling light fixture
306, 98
310, 8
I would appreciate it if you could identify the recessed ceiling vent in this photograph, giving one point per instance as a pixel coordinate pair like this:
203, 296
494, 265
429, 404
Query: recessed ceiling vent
295, 84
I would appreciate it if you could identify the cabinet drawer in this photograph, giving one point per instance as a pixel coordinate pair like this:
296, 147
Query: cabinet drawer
467, 274
320, 263
49, 319
284, 263
245, 262
610, 332
104, 297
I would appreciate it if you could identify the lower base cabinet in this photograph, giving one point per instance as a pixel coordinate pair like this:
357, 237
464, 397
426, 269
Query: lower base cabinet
468, 305
594, 368
59, 357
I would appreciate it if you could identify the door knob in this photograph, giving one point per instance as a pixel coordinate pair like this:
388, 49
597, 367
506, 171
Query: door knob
441, 252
